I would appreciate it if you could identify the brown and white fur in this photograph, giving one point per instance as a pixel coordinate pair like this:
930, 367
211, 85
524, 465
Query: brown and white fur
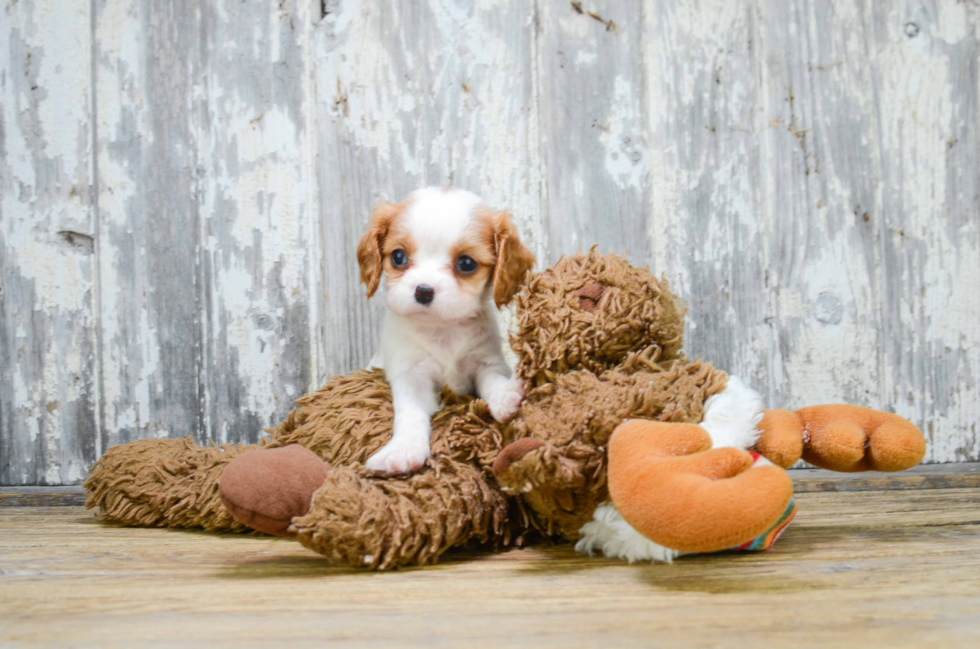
438, 329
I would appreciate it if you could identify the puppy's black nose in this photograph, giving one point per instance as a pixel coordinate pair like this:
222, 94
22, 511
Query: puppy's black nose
424, 294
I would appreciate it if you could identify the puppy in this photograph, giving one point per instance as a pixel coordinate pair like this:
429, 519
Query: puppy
444, 255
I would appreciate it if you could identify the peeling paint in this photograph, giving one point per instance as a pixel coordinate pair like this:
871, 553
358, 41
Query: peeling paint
930, 234
46, 274
594, 128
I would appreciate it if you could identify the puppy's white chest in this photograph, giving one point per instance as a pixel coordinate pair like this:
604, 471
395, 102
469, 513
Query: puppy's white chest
441, 355
451, 356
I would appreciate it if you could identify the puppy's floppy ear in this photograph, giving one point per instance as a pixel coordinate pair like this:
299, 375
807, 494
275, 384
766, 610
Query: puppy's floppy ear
514, 260
369, 250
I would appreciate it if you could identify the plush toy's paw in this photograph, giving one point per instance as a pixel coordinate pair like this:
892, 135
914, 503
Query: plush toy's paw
509, 455
852, 438
670, 486
402, 455
531, 464
266, 488
507, 400
549, 481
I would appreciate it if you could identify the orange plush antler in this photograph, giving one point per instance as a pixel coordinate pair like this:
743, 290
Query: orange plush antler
841, 438
671, 488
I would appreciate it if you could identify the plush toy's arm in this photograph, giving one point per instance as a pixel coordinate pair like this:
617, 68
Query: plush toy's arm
355, 516
549, 479
664, 479
840, 438
558, 466
531, 463
388, 522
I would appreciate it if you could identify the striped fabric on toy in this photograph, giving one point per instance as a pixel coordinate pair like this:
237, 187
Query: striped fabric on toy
766, 540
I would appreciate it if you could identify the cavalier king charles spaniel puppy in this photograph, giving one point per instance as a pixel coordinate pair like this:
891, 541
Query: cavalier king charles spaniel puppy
444, 255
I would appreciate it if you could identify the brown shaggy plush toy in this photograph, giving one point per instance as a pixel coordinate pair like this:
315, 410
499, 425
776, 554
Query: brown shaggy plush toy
622, 444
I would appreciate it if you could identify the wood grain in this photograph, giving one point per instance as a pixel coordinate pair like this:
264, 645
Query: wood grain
183, 186
49, 428
592, 114
821, 176
878, 569
709, 195
206, 213
928, 59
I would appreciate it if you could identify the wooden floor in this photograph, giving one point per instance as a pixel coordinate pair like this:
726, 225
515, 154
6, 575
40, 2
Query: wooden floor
863, 568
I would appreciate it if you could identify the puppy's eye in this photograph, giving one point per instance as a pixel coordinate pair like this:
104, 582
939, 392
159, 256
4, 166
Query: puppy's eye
466, 265
399, 258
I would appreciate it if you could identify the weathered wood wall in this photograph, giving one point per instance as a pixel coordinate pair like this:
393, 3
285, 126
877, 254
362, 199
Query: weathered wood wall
183, 184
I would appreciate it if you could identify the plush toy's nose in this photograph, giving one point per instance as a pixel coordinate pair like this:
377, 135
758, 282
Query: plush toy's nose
424, 294
590, 295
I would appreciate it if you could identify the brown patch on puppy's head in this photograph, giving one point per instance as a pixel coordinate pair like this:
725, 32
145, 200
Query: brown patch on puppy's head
371, 250
513, 259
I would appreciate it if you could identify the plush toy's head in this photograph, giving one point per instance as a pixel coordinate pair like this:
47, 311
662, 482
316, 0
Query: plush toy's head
594, 312
598, 341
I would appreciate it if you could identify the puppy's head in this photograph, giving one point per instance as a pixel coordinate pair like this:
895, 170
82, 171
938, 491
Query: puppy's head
443, 254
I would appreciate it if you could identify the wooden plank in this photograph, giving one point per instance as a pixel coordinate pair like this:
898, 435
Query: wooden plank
208, 209
823, 204
61, 496
955, 475
952, 468
48, 387
152, 110
413, 94
708, 205
592, 114
926, 77
259, 215
877, 569
887, 482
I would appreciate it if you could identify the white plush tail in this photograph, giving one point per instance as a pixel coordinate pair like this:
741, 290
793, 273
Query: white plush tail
609, 533
732, 416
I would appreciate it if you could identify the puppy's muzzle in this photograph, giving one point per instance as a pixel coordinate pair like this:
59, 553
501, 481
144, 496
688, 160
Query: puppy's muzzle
424, 294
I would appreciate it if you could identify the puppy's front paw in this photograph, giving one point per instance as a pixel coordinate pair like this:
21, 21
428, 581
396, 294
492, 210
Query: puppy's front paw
400, 456
507, 400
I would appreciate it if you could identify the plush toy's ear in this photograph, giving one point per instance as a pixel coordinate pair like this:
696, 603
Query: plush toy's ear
370, 256
514, 260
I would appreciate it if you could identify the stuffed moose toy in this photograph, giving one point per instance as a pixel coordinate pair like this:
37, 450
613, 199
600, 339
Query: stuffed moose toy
622, 445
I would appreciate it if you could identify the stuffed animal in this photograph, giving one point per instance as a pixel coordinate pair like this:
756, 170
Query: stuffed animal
607, 452
622, 445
